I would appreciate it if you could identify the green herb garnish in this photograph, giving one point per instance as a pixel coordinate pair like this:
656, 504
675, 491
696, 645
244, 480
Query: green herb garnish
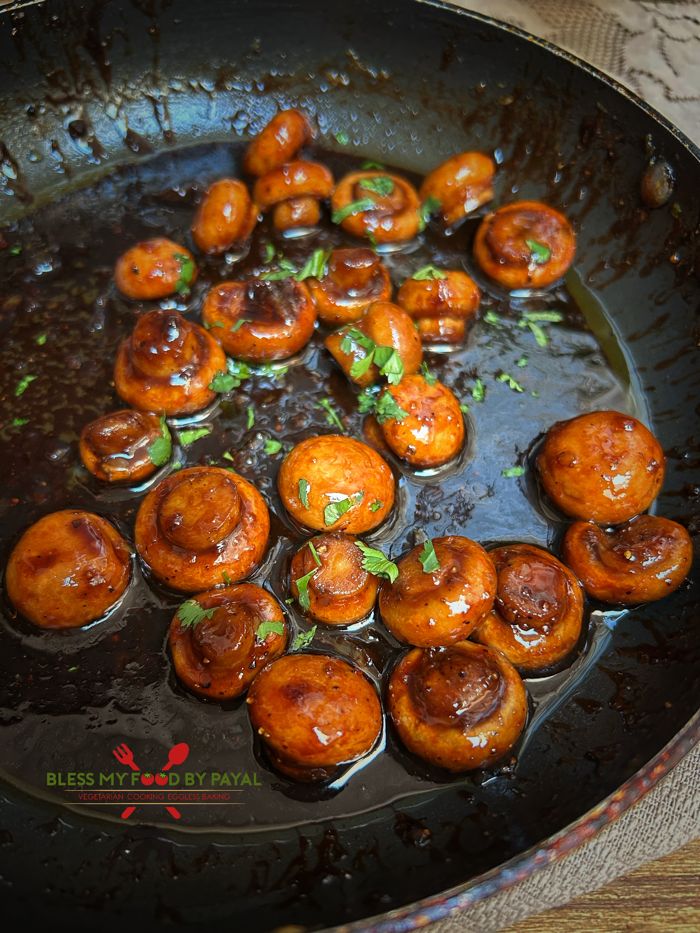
510, 472
187, 438
369, 166
493, 319
225, 382
302, 585
376, 505
335, 510
427, 374
314, 553
271, 447
268, 627
425, 273
41, 340
380, 185
238, 324
191, 613
332, 416
354, 207
510, 382
226, 578
427, 209
161, 449
249, 417
19, 422
303, 639
315, 265
428, 557
478, 391
182, 286
539, 253
270, 252
386, 408
377, 563
15, 250
23, 385
285, 270
522, 362
342, 138
304, 487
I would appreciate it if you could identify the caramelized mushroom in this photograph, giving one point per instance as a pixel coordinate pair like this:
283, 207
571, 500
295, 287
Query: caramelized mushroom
461, 184
425, 426
294, 190
278, 142
218, 650
116, 448
458, 708
68, 569
200, 527
155, 269
336, 589
603, 466
167, 364
525, 245
443, 590
314, 714
259, 320
639, 562
332, 481
353, 280
377, 204
226, 216
362, 350
537, 618
441, 305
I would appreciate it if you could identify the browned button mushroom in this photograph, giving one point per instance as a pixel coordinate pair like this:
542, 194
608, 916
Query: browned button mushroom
278, 142
155, 269
460, 185
424, 426
441, 304
167, 364
639, 562
444, 589
332, 481
68, 569
377, 204
603, 466
525, 245
458, 708
329, 582
259, 320
314, 714
225, 217
383, 343
220, 640
117, 447
201, 527
536, 620
354, 279
294, 190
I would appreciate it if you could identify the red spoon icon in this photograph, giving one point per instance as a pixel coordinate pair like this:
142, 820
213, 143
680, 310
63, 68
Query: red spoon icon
177, 755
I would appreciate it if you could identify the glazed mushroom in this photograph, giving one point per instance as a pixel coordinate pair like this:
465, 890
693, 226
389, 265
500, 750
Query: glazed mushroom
638, 562
459, 186
329, 582
259, 320
277, 143
384, 343
335, 482
201, 527
354, 278
314, 715
441, 302
155, 269
223, 638
443, 590
537, 617
525, 245
167, 364
118, 447
68, 569
603, 466
378, 205
424, 425
225, 217
457, 708
294, 191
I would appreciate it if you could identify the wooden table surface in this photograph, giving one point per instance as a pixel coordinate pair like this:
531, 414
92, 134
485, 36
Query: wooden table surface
660, 897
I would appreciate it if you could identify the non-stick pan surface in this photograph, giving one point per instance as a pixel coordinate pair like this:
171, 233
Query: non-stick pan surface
88, 86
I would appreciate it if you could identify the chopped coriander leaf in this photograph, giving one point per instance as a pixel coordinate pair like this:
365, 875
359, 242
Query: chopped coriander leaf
273, 371
249, 417
302, 585
510, 382
376, 505
510, 472
23, 385
370, 166
178, 466
314, 554
372, 240
268, 627
335, 510
15, 250
161, 449
19, 422
354, 336
223, 382
331, 414
377, 563
362, 365
304, 486
285, 270
428, 557
540, 337
463, 407
386, 408
366, 400
539, 253
191, 613
226, 578
187, 438
478, 391
428, 272
492, 318
549, 317
269, 253
427, 374
182, 286
271, 447
522, 362
390, 364
427, 209
315, 265
73, 668
354, 207
212, 325
238, 324
41, 339
342, 138
303, 639
380, 185
228, 456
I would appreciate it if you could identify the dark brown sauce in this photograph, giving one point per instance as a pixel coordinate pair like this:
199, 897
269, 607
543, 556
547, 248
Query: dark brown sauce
68, 698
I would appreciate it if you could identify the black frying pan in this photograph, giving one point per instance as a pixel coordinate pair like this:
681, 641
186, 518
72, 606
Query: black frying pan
86, 86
